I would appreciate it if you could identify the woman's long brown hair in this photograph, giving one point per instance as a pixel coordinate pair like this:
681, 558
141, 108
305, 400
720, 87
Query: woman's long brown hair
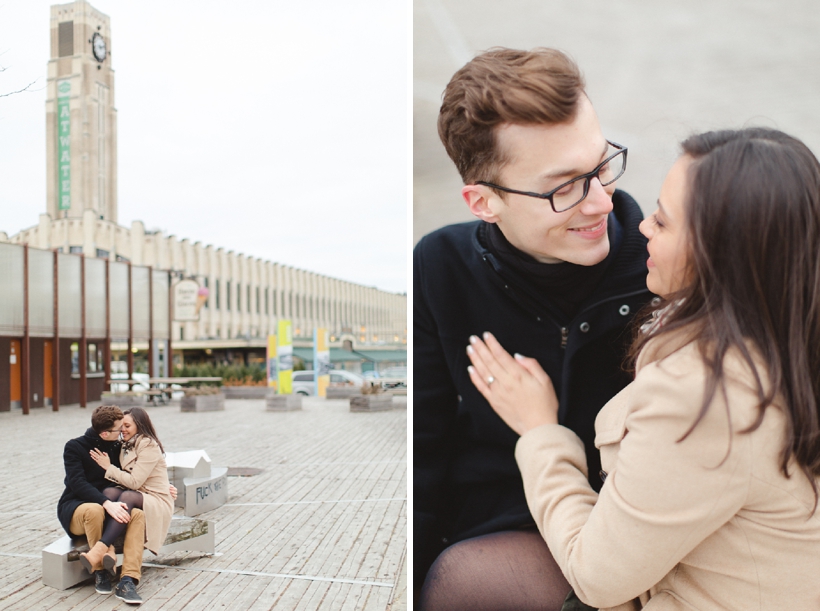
143, 423
753, 217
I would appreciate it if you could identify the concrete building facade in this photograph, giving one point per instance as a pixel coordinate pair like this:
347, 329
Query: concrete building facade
247, 295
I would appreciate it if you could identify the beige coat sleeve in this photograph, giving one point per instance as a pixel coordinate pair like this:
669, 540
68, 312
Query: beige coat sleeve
661, 499
148, 455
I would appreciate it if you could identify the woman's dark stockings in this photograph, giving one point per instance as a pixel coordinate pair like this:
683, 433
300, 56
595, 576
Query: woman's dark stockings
114, 529
504, 571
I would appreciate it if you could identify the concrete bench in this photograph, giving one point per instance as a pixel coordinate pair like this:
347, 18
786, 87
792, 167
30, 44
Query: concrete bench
61, 560
283, 403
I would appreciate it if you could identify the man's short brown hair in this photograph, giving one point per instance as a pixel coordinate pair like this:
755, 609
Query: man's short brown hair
501, 85
104, 418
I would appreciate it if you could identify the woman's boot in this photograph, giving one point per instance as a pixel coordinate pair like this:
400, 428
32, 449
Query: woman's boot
93, 559
110, 561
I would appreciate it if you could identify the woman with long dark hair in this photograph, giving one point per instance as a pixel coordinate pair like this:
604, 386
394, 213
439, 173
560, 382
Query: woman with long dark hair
711, 457
142, 481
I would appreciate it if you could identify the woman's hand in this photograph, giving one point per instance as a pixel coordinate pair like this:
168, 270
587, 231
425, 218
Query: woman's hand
518, 389
101, 458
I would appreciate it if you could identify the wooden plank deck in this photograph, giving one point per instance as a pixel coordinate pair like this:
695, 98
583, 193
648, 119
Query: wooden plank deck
323, 526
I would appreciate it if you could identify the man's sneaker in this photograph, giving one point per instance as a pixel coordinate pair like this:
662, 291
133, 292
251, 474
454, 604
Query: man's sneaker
127, 591
102, 582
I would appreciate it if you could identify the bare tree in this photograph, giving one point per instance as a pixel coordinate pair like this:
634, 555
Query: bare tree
26, 88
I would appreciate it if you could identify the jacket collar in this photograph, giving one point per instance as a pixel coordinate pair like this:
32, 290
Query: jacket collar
658, 348
629, 262
95, 440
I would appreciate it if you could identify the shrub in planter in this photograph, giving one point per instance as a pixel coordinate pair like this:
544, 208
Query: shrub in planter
202, 399
371, 403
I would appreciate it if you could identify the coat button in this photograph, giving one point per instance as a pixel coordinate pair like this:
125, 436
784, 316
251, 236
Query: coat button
623, 310
584, 327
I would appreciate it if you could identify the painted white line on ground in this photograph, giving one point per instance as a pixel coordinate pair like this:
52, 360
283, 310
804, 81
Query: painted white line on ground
356, 582
314, 502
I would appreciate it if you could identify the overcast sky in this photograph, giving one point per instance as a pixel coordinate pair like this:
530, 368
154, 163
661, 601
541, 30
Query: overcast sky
277, 130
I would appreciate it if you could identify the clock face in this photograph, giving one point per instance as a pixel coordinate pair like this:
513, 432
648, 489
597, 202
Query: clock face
98, 47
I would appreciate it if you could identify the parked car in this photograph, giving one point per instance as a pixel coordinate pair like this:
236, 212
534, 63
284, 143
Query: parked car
394, 377
304, 383
394, 372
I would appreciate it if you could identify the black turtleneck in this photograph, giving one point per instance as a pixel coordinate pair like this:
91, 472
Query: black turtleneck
561, 288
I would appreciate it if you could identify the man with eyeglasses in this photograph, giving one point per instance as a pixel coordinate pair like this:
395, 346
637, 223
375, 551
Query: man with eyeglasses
555, 268
83, 507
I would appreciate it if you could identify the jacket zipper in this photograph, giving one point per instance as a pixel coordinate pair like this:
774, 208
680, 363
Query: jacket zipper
565, 330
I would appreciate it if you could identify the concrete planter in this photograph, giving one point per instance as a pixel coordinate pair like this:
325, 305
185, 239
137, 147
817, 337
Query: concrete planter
123, 401
203, 403
371, 403
245, 392
283, 403
341, 392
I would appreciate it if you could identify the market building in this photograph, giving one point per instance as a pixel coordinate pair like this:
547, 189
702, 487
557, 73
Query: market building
243, 297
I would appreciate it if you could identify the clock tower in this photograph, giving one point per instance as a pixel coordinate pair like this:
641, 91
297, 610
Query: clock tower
81, 121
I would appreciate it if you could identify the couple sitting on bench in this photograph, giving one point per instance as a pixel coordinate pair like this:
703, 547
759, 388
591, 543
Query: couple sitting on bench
117, 486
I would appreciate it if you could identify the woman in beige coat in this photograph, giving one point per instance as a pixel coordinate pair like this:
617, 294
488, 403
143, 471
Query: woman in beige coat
711, 456
145, 475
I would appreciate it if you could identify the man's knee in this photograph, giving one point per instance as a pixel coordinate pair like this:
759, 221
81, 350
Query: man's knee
92, 512
87, 514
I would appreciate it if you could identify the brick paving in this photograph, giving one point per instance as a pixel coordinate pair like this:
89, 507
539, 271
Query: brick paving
323, 526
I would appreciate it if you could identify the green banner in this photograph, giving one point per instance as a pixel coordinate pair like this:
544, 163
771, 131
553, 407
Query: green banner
63, 145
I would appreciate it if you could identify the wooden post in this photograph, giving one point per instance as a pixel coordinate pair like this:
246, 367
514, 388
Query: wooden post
107, 356
150, 322
25, 356
170, 355
83, 344
55, 384
130, 327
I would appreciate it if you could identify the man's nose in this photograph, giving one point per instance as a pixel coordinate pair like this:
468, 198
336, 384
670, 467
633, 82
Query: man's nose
597, 201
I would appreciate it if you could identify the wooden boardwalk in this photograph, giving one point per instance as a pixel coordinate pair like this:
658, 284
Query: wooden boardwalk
323, 526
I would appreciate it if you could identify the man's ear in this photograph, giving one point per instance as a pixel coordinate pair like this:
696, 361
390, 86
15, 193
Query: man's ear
481, 200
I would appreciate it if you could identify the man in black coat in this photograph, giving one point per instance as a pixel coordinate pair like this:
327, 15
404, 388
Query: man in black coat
555, 268
82, 508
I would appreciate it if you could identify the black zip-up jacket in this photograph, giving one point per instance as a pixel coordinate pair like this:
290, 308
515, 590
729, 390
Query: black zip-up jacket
84, 478
466, 481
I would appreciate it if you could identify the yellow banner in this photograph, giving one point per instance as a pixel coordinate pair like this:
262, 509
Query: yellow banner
285, 357
273, 376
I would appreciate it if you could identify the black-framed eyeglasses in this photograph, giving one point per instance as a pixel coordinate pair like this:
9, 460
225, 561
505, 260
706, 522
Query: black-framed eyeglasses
571, 193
